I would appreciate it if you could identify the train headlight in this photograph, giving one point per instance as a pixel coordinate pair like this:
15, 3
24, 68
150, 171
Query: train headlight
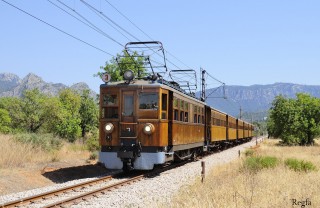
148, 128
108, 128
128, 75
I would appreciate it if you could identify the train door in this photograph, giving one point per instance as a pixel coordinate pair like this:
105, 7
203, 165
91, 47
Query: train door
164, 115
128, 122
170, 118
207, 125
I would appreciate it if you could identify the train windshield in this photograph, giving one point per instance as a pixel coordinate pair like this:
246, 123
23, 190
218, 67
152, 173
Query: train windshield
148, 101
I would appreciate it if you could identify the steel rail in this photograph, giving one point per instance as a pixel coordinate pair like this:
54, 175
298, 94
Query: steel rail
93, 193
31, 199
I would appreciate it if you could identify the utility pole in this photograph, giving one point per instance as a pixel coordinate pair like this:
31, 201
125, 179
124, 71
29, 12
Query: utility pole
203, 85
240, 111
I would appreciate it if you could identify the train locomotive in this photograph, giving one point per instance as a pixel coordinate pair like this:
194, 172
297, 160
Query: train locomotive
150, 121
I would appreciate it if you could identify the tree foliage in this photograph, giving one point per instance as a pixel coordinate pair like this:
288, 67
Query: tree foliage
13, 106
295, 121
117, 66
68, 115
34, 108
5, 121
88, 113
68, 123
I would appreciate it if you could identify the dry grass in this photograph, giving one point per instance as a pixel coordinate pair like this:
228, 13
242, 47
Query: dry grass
18, 155
232, 186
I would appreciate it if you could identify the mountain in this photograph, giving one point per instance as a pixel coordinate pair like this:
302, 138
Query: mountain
255, 99
12, 86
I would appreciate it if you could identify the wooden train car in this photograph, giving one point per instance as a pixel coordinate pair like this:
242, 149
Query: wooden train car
148, 122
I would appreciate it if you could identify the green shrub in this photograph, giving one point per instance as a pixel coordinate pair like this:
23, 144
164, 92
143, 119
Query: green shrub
258, 163
93, 156
300, 165
92, 141
249, 153
46, 142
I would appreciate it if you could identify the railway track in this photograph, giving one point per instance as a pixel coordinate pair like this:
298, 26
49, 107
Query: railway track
83, 191
39, 198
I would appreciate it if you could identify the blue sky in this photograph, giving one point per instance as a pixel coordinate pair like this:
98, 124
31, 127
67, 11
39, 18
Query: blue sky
240, 42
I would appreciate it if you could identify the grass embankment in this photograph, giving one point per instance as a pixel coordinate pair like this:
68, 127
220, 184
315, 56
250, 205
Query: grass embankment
267, 176
17, 154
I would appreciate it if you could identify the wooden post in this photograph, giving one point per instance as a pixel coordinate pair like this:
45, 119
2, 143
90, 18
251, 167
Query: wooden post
203, 165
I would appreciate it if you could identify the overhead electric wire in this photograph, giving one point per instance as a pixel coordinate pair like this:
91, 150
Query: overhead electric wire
128, 19
109, 19
87, 23
60, 30
99, 13
145, 33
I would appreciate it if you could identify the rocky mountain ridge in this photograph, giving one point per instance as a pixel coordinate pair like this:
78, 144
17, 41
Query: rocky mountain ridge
12, 86
256, 98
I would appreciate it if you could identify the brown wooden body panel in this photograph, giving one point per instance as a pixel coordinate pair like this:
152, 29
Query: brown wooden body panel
187, 133
218, 133
232, 134
114, 135
159, 136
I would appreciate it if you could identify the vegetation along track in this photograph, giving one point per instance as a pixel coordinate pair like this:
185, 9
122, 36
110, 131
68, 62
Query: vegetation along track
70, 195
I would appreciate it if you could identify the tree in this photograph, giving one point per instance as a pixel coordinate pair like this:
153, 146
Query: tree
13, 106
295, 121
88, 113
68, 122
5, 121
34, 110
117, 68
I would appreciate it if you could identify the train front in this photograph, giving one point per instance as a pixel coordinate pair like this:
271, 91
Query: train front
133, 124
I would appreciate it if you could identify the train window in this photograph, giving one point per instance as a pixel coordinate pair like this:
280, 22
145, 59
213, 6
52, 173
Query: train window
164, 102
195, 109
186, 106
164, 106
175, 115
181, 116
175, 102
195, 118
199, 119
181, 104
110, 100
148, 101
128, 105
186, 118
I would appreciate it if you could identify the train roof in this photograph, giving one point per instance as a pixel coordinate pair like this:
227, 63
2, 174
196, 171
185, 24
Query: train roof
157, 83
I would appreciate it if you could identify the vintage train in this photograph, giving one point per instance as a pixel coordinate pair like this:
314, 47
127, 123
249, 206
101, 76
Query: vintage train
146, 122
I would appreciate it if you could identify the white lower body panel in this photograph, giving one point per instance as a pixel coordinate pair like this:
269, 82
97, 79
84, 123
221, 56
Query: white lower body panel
146, 161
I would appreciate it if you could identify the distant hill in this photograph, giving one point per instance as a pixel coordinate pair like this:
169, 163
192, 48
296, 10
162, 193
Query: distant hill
12, 86
255, 100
